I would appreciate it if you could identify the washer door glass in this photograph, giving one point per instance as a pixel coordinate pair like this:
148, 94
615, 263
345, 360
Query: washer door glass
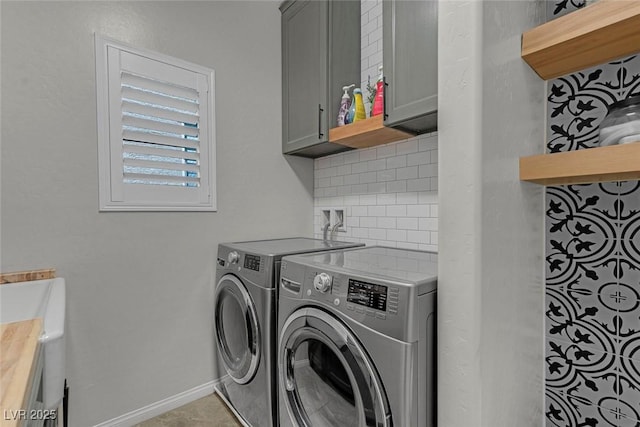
326, 378
237, 329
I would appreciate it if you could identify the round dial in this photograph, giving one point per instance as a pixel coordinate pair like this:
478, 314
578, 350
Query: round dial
232, 257
322, 282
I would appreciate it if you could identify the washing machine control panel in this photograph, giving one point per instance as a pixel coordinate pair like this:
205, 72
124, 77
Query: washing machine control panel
352, 295
322, 282
367, 294
233, 257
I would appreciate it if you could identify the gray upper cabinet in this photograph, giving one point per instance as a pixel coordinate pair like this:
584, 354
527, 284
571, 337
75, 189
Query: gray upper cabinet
410, 61
320, 55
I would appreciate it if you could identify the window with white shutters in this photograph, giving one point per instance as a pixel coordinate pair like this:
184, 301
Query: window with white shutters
156, 131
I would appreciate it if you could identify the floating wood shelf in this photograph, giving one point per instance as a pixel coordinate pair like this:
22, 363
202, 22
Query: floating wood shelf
601, 164
596, 34
366, 133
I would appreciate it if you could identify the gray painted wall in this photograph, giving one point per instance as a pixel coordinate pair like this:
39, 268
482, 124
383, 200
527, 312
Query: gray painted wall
490, 290
139, 285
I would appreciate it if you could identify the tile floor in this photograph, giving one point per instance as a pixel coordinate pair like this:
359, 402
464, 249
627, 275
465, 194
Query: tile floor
209, 411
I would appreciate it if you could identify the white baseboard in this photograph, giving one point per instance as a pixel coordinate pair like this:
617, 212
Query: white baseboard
160, 407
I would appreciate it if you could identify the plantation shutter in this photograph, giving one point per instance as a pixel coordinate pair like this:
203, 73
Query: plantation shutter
160, 134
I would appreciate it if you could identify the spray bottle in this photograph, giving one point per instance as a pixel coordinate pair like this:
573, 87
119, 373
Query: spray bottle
360, 114
345, 103
378, 101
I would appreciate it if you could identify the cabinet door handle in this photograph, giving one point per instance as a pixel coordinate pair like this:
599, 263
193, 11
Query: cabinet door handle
384, 98
320, 110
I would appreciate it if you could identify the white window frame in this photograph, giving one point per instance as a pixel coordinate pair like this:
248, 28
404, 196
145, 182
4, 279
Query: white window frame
115, 193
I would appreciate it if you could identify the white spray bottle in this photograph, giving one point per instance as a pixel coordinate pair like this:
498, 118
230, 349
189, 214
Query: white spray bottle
345, 103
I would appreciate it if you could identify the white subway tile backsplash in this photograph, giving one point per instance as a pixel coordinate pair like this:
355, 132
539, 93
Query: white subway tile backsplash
353, 221
337, 160
410, 146
377, 187
344, 190
368, 154
358, 211
397, 235
376, 210
421, 184
337, 180
351, 157
419, 211
407, 223
420, 158
434, 238
375, 11
324, 162
360, 232
359, 189
418, 237
344, 170
410, 172
397, 186
368, 221
376, 165
386, 199
386, 175
352, 179
407, 198
396, 162
368, 177
359, 167
386, 222
397, 210
427, 171
377, 233
387, 150
428, 197
430, 224
367, 5
428, 142
390, 191
368, 199
375, 35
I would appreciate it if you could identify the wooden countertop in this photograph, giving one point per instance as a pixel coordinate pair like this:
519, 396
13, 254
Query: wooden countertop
19, 347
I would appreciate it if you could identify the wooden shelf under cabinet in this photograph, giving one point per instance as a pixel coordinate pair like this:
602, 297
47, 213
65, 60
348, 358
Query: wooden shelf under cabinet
366, 133
601, 164
595, 34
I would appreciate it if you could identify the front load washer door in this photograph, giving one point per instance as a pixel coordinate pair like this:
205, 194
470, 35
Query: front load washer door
313, 398
237, 329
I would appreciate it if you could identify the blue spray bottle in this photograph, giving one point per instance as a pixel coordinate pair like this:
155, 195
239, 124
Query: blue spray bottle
345, 103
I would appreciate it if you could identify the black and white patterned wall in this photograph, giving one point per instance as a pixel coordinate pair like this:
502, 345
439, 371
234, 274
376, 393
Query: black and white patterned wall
592, 323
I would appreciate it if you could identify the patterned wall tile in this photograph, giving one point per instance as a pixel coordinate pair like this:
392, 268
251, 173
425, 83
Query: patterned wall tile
592, 305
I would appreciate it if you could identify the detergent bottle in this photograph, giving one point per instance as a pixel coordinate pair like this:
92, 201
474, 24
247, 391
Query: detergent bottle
360, 114
378, 101
345, 103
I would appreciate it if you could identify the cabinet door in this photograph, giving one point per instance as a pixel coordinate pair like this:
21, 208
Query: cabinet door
304, 74
410, 61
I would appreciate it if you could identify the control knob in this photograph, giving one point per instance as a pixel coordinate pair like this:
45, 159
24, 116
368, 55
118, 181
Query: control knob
322, 282
232, 257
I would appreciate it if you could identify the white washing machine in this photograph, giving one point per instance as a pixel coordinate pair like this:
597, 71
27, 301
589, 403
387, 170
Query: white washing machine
357, 338
245, 316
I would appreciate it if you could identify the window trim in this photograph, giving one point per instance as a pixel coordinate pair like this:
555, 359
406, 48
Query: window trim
106, 202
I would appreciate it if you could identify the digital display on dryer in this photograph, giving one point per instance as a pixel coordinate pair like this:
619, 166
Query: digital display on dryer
252, 262
367, 294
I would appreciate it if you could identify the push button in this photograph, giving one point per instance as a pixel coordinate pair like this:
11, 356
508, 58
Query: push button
381, 316
359, 310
